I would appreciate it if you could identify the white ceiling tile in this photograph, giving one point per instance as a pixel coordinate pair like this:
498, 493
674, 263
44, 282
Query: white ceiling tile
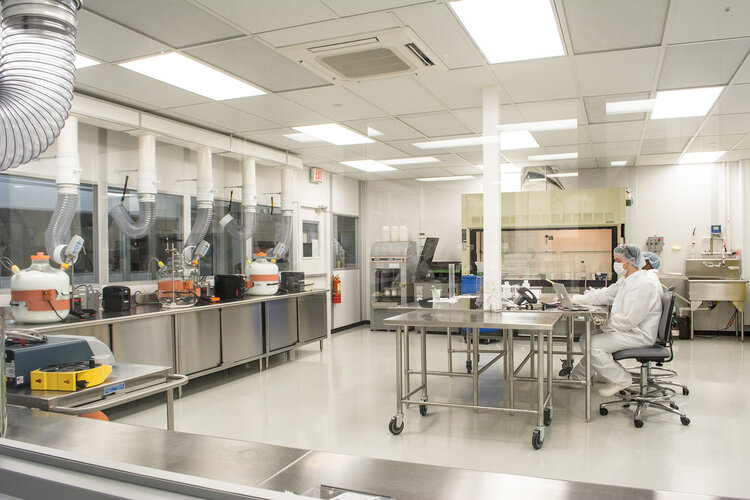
651, 160
121, 43
735, 99
409, 149
87, 90
174, 22
399, 175
659, 146
574, 164
429, 172
256, 16
562, 137
336, 103
376, 151
226, 117
167, 113
436, 124
366, 177
278, 109
620, 72
625, 148
596, 107
251, 60
672, 127
397, 96
702, 64
460, 88
744, 143
328, 30
468, 170
606, 162
543, 111
132, 85
601, 25
473, 157
530, 80
275, 138
616, 131
354, 7
473, 117
727, 124
695, 20
715, 143
391, 128
737, 154
335, 153
436, 25
743, 74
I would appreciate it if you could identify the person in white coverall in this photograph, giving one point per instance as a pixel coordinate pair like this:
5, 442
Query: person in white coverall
633, 320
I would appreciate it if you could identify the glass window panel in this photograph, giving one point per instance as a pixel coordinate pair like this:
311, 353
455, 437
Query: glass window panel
310, 239
345, 238
268, 232
226, 255
26, 206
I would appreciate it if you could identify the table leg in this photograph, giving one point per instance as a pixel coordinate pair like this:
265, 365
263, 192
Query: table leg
571, 338
170, 410
399, 372
450, 349
511, 369
423, 334
692, 322
475, 371
550, 367
407, 360
742, 326
505, 359
532, 359
587, 354
539, 380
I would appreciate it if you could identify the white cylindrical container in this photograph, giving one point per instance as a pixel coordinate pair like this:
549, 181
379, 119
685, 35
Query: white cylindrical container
385, 233
394, 233
263, 276
403, 233
41, 293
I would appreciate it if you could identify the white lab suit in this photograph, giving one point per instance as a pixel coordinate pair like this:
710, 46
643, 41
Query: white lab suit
633, 322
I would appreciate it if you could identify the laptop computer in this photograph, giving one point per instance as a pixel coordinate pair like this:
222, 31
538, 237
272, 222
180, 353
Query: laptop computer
567, 304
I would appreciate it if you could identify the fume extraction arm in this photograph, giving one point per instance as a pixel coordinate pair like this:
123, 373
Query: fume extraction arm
246, 228
288, 198
146, 193
205, 200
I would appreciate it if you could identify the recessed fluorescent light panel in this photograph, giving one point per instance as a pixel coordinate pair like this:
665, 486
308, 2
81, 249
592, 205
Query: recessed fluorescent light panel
82, 61
564, 174
373, 133
519, 139
703, 157
541, 126
439, 179
334, 133
618, 163
685, 102
368, 165
180, 71
511, 30
628, 107
411, 161
537, 179
558, 156
300, 137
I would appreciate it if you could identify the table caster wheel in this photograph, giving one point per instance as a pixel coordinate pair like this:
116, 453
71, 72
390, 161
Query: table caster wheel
395, 430
638, 423
423, 410
603, 411
537, 441
468, 367
685, 420
547, 416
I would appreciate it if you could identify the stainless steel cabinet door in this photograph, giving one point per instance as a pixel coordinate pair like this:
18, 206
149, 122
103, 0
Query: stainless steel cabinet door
281, 323
198, 341
241, 332
144, 341
312, 317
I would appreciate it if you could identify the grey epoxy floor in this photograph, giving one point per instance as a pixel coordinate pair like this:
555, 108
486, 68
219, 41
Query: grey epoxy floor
341, 400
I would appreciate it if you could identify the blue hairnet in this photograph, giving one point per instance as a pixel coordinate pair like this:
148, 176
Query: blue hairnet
631, 253
653, 259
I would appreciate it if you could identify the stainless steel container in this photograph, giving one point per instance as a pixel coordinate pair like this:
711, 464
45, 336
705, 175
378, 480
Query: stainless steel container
713, 268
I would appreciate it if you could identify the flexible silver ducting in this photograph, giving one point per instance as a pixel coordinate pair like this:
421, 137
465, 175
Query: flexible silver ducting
36, 75
58, 230
287, 223
245, 229
201, 226
205, 199
140, 227
146, 193
288, 198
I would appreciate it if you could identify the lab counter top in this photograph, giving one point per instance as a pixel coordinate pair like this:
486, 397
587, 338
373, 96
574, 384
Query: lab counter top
280, 468
154, 310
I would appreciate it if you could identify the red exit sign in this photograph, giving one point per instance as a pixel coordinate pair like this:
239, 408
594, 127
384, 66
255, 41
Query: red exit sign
316, 175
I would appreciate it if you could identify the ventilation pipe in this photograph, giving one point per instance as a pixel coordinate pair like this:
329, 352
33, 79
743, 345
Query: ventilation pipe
68, 178
288, 197
146, 193
246, 228
205, 203
37, 57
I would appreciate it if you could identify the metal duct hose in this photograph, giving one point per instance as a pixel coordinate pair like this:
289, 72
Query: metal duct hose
246, 229
62, 218
286, 235
36, 75
200, 228
131, 228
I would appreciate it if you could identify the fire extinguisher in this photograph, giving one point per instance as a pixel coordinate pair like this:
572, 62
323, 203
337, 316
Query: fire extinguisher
336, 290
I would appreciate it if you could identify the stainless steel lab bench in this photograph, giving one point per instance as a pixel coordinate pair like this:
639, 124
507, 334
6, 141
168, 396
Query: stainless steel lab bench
48, 455
206, 338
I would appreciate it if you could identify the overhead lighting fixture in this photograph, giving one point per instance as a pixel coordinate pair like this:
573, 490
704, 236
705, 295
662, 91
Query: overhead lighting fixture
537, 179
509, 30
411, 161
563, 174
618, 163
440, 179
82, 61
557, 156
541, 126
368, 165
702, 157
628, 107
300, 137
518, 139
373, 133
684, 103
180, 71
505, 168
334, 133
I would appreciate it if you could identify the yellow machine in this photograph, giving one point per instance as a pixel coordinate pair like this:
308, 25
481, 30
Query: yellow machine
69, 376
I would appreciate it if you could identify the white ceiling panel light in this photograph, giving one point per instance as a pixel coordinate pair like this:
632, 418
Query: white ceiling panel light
300, 137
368, 165
685, 102
618, 163
373, 132
82, 61
702, 157
509, 30
518, 139
628, 107
185, 73
563, 174
556, 156
411, 161
541, 126
441, 179
334, 133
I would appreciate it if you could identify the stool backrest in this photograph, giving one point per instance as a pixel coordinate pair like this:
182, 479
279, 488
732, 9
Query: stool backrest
665, 321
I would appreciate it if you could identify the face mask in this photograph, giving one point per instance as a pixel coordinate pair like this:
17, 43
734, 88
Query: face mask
619, 268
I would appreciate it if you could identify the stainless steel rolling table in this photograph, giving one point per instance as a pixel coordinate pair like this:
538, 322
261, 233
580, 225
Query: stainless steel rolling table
537, 324
732, 291
127, 383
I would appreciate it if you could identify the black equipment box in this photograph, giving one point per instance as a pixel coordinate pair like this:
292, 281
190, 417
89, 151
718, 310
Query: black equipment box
116, 298
229, 286
293, 281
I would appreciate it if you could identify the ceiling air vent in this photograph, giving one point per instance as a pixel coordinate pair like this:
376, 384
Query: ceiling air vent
366, 63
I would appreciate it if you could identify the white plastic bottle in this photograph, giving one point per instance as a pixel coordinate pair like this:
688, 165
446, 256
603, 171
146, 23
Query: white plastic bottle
526, 284
506, 291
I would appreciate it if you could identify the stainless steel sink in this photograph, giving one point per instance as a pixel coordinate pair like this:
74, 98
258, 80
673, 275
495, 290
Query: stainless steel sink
728, 290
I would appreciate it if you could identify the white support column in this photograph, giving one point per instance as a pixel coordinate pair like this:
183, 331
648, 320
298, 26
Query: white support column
492, 241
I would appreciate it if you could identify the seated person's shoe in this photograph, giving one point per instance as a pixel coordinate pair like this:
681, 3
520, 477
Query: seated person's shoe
613, 388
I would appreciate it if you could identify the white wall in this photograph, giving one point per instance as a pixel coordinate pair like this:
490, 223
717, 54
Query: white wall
345, 200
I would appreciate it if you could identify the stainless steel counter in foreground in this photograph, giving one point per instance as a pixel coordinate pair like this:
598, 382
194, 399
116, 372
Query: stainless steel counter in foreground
239, 465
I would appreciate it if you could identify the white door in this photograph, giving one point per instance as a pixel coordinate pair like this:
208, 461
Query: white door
315, 246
